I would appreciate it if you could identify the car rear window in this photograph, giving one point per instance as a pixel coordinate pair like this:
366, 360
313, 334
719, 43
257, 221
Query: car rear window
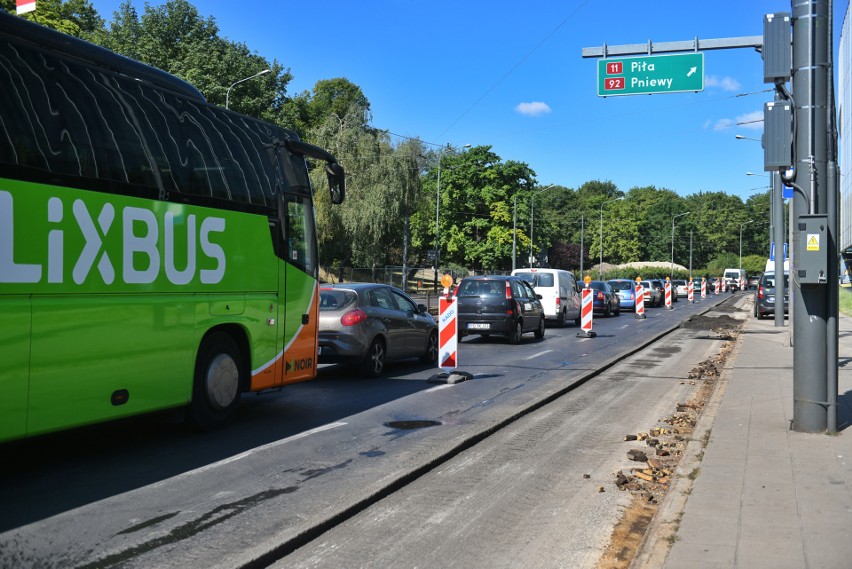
621, 285
482, 288
537, 279
331, 299
769, 281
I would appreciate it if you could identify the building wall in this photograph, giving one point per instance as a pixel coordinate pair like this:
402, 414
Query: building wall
844, 111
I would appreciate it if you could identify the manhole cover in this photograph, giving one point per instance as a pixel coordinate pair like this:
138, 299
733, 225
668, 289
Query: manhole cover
410, 425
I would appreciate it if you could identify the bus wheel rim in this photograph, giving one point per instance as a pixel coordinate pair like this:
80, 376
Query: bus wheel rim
222, 381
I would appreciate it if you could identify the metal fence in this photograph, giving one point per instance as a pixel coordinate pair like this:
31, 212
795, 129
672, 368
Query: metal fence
421, 280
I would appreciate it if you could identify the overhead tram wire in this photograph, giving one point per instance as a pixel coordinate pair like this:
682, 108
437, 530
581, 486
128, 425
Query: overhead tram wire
514, 67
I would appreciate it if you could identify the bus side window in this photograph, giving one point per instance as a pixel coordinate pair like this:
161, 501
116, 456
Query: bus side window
300, 238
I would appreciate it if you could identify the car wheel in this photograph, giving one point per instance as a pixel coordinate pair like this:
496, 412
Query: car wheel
539, 333
219, 373
562, 322
431, 354
517, 333
577, 320
374, 362
608, 311
618, 310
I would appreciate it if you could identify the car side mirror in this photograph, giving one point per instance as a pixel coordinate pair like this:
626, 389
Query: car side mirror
538, 296
422, 309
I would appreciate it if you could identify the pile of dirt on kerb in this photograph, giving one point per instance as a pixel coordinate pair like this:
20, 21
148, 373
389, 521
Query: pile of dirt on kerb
658, 451
722, 323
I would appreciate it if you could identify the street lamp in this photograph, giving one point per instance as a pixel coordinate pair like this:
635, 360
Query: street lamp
600, 265
228, 92
671, 269
741, 241
532, 217
438, 209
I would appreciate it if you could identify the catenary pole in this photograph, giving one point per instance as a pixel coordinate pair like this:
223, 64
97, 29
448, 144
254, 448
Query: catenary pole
810, 75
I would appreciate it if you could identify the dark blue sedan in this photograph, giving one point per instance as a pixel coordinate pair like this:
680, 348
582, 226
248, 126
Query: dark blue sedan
604, 299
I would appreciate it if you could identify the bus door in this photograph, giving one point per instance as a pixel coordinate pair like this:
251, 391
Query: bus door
300, 290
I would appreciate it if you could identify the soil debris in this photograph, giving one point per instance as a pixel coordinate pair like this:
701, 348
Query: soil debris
649, 484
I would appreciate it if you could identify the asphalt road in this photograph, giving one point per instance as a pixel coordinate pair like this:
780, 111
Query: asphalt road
299, 462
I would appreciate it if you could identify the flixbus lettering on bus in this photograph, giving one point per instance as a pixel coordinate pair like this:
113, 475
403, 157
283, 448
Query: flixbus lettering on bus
147, 245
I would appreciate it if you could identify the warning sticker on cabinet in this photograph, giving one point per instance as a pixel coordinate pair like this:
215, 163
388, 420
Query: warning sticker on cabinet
813, 242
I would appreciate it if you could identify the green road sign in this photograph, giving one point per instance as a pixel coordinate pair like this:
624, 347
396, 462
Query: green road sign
675, 73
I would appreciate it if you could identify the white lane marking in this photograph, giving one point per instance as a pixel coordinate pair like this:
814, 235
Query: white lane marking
250, 452
532, 357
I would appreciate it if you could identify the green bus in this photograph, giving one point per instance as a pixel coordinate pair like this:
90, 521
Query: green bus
156, 251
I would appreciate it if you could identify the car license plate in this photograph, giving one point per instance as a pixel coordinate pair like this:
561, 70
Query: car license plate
770, 299
478, 326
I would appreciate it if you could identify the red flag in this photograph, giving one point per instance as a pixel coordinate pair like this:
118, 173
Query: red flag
25, 6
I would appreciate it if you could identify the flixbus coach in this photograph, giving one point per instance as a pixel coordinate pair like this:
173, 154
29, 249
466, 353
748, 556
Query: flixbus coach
156, 251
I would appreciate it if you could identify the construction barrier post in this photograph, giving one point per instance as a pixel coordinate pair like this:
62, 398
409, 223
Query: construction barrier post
668, 289
690, 291
717, 287
703, 288
448, 328
640, 300
586, 312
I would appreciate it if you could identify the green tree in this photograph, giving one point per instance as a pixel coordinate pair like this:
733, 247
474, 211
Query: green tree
715, 219
77, 18
329, 97
654, 209
477, 197
405, 193
174, 37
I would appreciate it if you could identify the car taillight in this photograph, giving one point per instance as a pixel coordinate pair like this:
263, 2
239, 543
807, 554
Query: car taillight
558, 302
508, 290
760, 292
631, 297
600, 295
353, 317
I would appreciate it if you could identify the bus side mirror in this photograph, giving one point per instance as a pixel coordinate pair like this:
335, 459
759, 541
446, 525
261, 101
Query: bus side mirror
336, 181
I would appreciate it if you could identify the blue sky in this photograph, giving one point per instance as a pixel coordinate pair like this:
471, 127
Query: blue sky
510, 75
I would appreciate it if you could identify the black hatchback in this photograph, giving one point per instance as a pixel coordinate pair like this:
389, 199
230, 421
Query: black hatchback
501, 305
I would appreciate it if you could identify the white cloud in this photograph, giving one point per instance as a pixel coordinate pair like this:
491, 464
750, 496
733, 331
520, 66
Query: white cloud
533, 109
725, 83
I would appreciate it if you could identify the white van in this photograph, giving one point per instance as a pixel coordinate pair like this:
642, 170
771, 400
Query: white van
560, 296
733, 277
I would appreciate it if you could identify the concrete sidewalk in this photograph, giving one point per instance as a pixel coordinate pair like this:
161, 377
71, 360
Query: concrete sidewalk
763, 496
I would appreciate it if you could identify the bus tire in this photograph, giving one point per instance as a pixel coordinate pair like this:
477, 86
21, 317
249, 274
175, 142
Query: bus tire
218, 379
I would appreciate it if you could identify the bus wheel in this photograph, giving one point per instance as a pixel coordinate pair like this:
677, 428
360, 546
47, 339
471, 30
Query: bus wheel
216, 390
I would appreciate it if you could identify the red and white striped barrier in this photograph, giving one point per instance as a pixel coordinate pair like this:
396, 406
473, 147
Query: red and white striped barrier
640, 301
742, 284
690, 291
586, 314
718, 286
668, 289
448, 328
703, 288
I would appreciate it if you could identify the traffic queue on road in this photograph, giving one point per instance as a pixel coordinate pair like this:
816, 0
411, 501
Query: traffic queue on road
366, 324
